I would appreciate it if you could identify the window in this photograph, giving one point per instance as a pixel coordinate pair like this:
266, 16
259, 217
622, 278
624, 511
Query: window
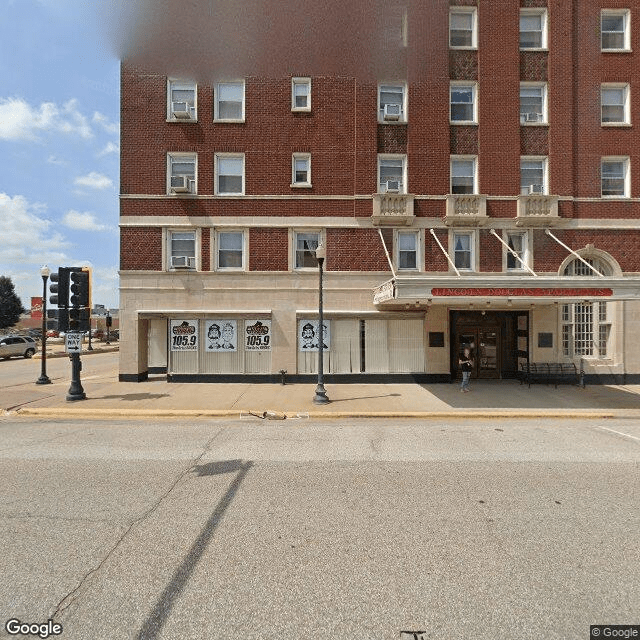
181, 173
305, 253
229, 103
463, 103
463, 175
182, 250
533, 29
407, 257
463, 256
391, 103
300, 94
517, 243
615, 177
181, 100
462, 28
230, 250
614, 30
229, 174
533, 174
533, 103
301, 170
614, 100
391, 173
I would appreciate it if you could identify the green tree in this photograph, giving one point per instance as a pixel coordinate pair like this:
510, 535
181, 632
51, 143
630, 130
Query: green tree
10, 305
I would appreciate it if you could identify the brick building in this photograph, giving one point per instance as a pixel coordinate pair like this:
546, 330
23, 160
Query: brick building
485, 190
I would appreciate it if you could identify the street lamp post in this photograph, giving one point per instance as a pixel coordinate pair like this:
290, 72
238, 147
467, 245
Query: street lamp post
44, 378
321, 394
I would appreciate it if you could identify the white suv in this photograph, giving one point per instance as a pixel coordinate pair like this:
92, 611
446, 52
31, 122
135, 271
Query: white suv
17, 346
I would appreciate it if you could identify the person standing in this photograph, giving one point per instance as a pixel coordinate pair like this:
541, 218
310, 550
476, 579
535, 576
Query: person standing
466, 365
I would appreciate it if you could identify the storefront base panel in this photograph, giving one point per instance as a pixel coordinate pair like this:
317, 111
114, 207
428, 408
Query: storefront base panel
347, 378
134, 377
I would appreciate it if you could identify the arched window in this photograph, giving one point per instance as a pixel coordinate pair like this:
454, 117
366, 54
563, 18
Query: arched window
586, 326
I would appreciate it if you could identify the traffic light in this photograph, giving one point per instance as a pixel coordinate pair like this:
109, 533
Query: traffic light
79, 319
80, 288
60, 288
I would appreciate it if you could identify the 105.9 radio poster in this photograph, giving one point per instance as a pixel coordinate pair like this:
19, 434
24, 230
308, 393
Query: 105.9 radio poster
257, 335
184, 335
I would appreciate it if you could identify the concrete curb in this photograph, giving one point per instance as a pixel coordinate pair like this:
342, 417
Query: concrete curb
62, 354
107, 413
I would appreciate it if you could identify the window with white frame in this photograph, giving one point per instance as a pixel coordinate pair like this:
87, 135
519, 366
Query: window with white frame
230, 250
614, 30
463, 250
407, 243
533, 29
306, 243
300, 94
586, 326
533, 103
301, 170
463, 174
229, 174
533, 176
392, 103
614, 174
463, 103
181, 173
392, 173
614, 103
462, 28
182, 249
182, 100
518, 245
229, 101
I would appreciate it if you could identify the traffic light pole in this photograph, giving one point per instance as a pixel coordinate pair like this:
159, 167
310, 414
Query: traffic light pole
76, 392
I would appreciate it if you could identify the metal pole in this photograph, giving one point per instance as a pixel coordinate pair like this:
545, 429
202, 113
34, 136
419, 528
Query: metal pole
76, 392
89, 348
451, 262
107, 326
321, 394
44, 378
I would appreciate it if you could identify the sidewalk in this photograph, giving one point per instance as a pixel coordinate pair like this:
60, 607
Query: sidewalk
108, 398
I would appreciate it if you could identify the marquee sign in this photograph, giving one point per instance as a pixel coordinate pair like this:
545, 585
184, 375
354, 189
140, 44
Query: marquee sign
518, 292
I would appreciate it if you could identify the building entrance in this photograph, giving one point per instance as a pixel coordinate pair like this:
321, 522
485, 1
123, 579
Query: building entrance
498, 340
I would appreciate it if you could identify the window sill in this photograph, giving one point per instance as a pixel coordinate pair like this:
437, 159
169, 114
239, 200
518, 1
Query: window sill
393, 122
180, 195
616, 50
473, 48
616, 124
228, 121
613, 198
465, 123
183, 120
301, 185
534, 124
228, 195
543, 49
301, 110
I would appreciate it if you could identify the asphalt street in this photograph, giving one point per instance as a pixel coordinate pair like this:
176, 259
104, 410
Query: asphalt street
346, 529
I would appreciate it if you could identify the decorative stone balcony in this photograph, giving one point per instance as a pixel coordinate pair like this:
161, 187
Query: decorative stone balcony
467, 209
536, 210
392, 209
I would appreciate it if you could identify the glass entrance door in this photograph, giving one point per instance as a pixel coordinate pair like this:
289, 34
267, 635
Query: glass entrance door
488, 353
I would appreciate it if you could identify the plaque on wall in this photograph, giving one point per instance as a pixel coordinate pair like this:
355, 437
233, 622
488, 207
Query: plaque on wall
545, 340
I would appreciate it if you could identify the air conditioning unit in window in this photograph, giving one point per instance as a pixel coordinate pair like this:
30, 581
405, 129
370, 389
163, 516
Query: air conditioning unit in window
392, 111
535, 188
183, 262
182, 184
182, 110
393, 186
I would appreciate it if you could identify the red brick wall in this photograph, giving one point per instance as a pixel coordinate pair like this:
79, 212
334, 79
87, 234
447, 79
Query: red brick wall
141, 248
434, 259
356, 250
205, 235
268, 249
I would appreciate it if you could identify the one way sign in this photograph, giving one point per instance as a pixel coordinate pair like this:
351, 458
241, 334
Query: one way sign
73, 342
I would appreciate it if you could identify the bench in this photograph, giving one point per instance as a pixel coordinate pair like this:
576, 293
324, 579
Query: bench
547, 372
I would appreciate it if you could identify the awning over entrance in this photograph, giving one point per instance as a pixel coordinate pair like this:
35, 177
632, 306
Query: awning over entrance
504, 290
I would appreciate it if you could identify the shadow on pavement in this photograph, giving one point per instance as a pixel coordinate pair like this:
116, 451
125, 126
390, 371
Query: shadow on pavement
386, 395
134, 397
510, 394
153, 625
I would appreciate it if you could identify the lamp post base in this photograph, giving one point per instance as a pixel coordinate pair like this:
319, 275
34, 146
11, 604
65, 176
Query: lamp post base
43, 380
321, 395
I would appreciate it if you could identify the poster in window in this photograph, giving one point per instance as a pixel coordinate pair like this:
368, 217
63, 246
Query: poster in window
523, 343
308, 335
522, 322
184, 335
220, 335
257, 335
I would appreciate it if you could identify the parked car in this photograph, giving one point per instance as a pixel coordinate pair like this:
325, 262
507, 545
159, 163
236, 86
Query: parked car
17, 346
35, 333
53, 333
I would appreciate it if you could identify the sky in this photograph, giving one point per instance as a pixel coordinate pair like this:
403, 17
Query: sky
59, 141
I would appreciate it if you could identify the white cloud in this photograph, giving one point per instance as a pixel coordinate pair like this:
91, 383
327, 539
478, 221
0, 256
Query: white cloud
94, 180
55, 160
20, 121
26, 234
110, 148
82, 221
103, 121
